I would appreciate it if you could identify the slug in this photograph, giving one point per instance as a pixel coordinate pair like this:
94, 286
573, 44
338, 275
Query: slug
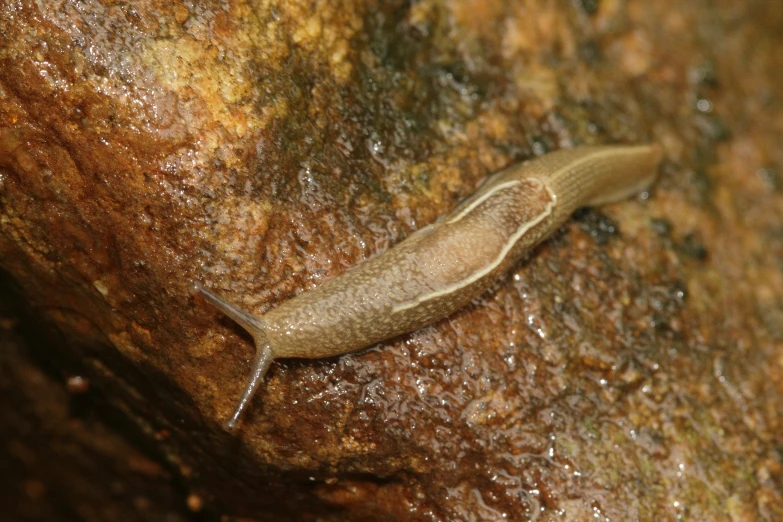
443, 266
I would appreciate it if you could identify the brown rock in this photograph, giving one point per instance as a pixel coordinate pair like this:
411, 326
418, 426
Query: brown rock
264, 147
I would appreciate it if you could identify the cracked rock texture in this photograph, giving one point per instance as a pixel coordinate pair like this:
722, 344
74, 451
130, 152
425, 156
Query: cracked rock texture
631, 368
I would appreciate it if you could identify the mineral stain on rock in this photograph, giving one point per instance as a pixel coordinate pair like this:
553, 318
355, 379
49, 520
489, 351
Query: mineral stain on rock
265, 147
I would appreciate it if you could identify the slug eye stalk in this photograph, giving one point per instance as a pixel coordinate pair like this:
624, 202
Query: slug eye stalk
263, 357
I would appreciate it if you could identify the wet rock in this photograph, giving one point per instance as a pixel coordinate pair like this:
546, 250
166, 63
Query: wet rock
262, 148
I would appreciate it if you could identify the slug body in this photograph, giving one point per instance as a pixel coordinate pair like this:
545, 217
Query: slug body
442, 267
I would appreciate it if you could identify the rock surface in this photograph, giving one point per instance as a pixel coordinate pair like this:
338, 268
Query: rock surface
630, 369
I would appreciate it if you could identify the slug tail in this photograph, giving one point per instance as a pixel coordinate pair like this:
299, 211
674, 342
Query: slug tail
263, 358
630, 169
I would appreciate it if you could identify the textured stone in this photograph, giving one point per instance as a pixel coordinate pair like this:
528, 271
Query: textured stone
263, 147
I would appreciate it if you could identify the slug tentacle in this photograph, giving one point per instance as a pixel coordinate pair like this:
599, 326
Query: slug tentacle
263, 357
444, 266
253, 324
261, 364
